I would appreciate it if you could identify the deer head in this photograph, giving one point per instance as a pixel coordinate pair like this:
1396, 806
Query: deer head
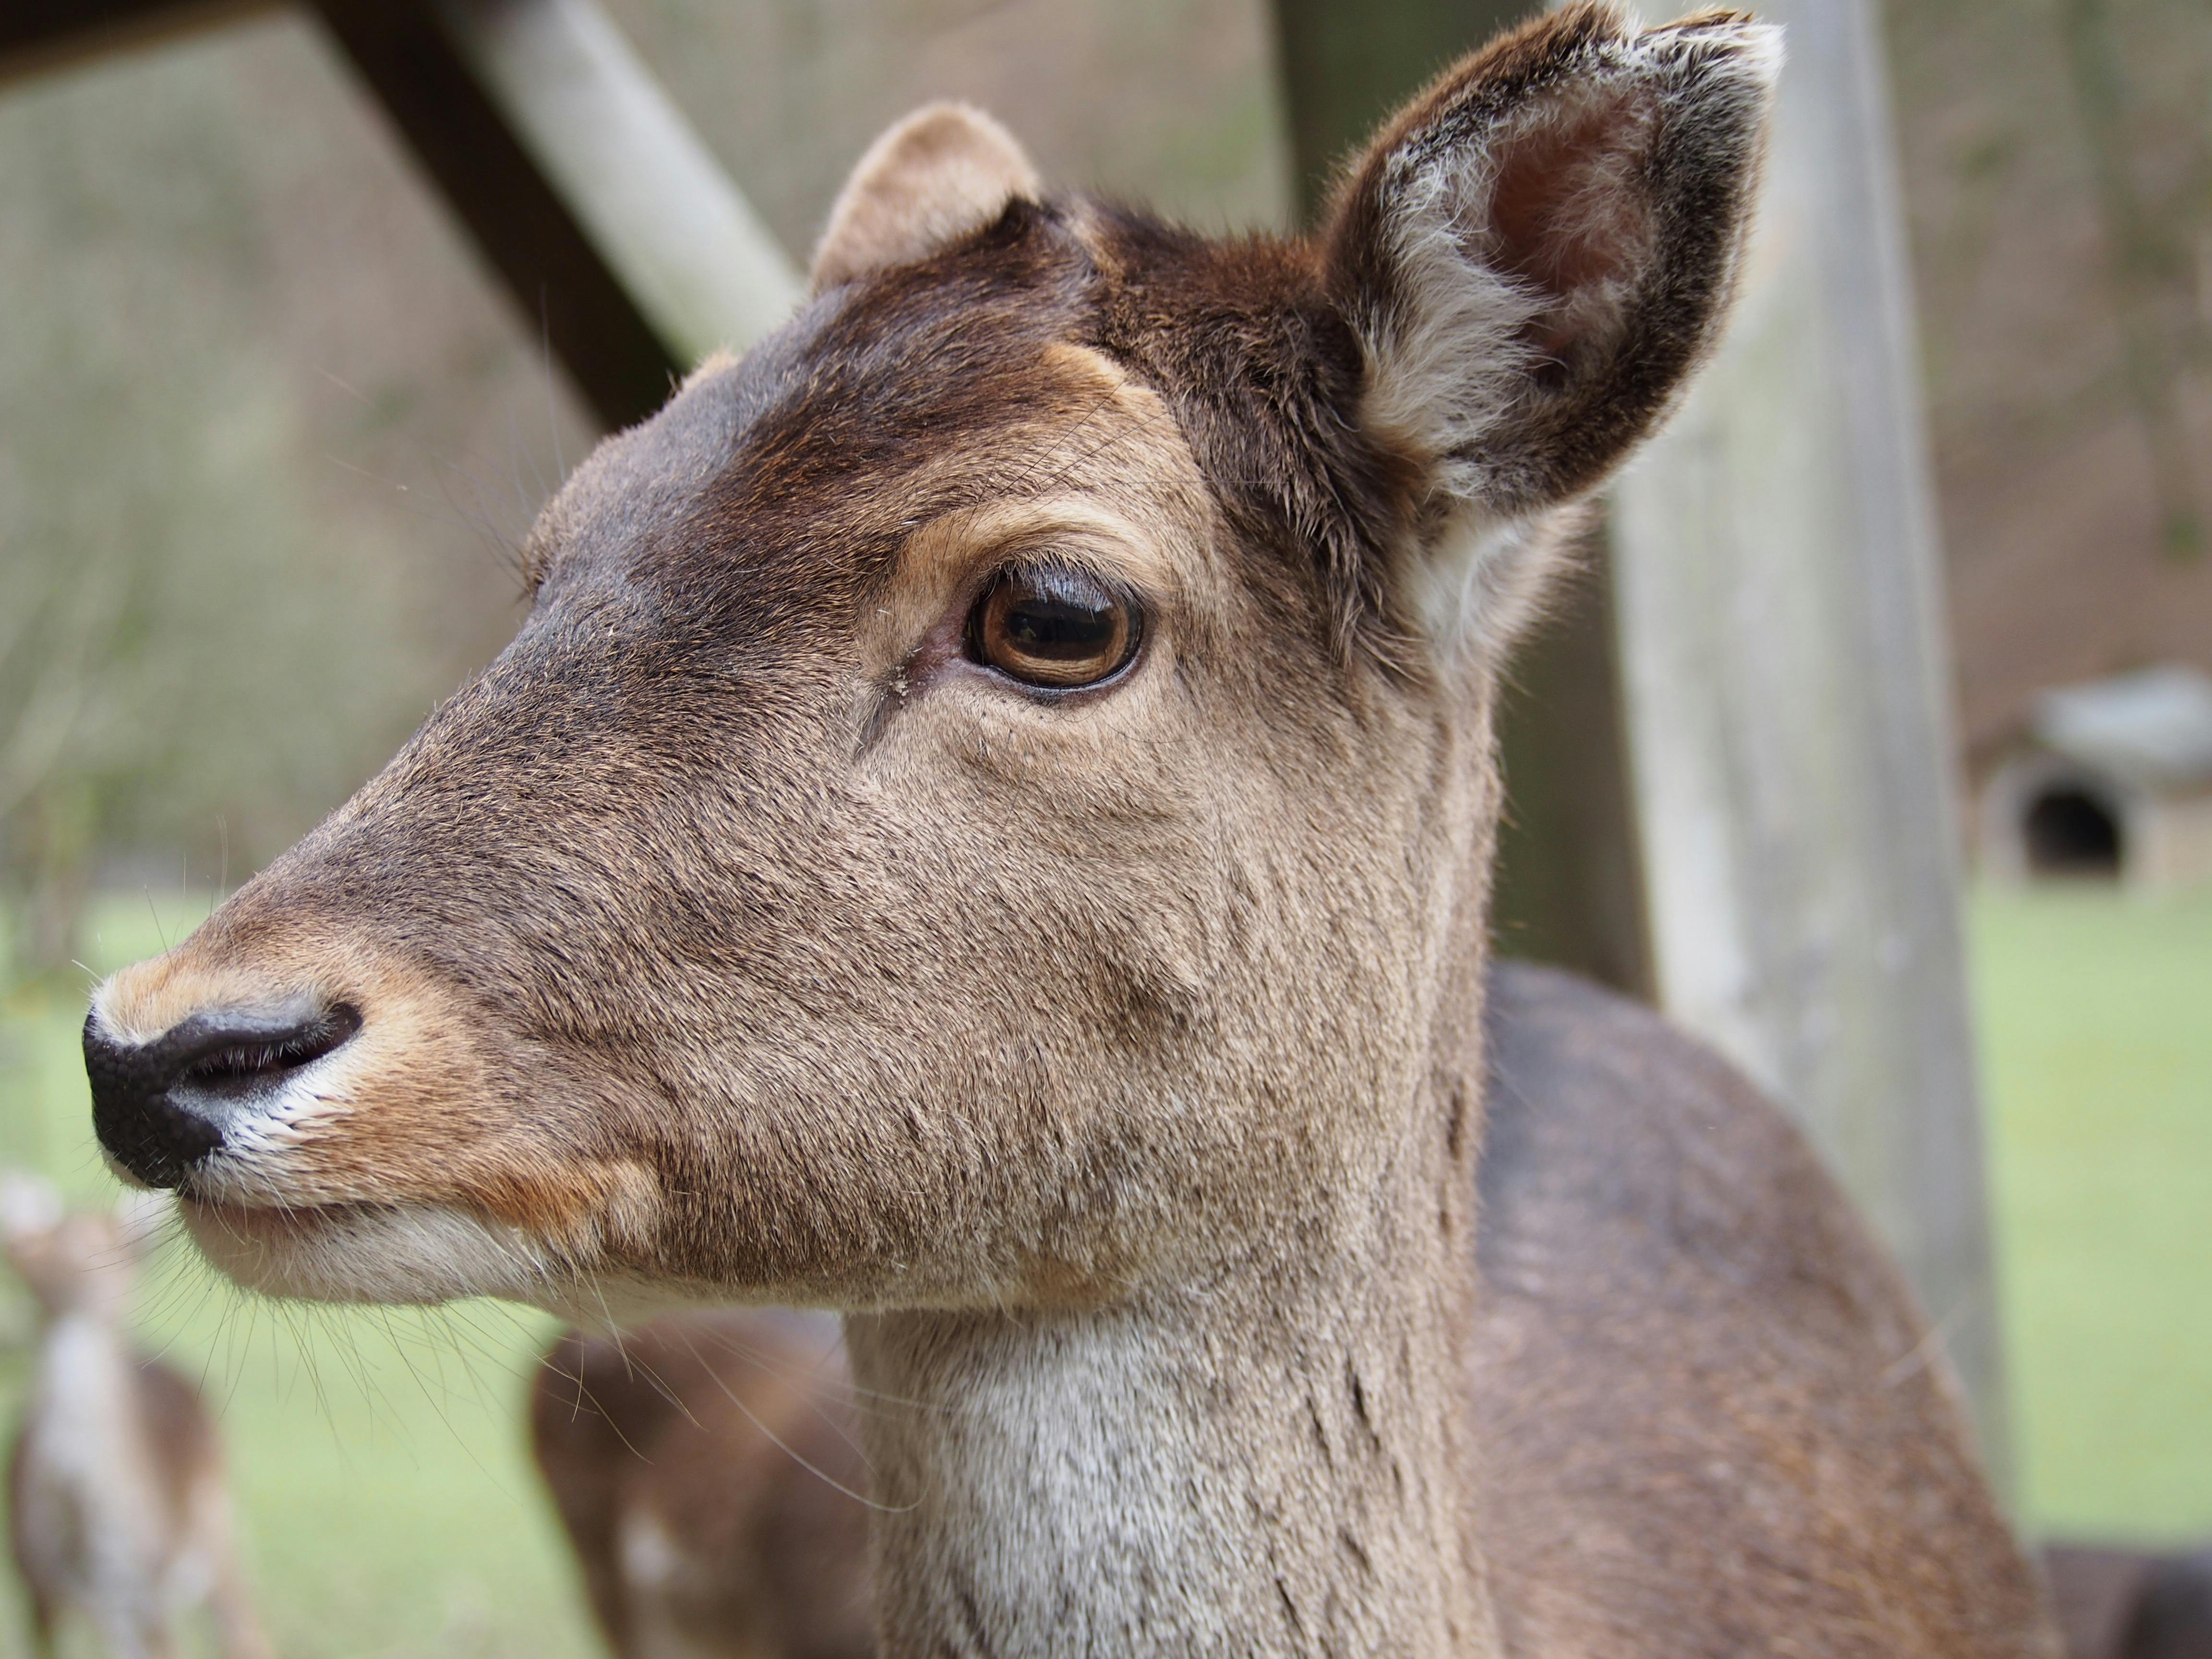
82, 1263
990, 794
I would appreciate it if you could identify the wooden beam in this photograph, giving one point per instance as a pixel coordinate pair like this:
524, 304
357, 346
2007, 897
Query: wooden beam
37, 36
1784, 646
1570, 880
617, 233
622, 242
561, 283
703, 269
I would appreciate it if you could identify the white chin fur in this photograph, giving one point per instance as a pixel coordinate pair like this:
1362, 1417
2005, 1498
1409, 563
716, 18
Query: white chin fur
349, 1253
414, 1254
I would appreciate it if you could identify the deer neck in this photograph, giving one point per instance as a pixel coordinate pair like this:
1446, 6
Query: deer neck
1273, 1462
1273, 1456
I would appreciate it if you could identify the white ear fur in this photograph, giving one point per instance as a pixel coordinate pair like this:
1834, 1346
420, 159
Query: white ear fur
944, 173
1487, 581
1571, 200
1448, 364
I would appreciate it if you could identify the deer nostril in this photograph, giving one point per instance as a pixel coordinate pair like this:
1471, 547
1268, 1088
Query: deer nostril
229, 1055
159, 1107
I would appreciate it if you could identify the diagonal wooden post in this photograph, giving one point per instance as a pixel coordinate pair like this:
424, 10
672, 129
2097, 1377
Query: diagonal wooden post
1728, 767
702, 265
610, 223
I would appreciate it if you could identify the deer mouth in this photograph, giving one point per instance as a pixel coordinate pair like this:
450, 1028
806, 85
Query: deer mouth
270, 1226
248, 1108
360, 1251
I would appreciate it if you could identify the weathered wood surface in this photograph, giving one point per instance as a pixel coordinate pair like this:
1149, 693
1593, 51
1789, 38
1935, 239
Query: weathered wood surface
681, 238
1569, 882
1783, 644
564, 287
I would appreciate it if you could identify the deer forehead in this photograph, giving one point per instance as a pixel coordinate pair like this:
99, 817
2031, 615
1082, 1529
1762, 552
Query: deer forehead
1106, 483
853, 472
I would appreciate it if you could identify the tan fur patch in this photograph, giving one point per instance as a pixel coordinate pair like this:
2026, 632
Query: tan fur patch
944, 173
1115, 491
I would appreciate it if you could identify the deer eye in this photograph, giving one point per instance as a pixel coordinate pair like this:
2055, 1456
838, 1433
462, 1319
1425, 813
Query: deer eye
1054, 627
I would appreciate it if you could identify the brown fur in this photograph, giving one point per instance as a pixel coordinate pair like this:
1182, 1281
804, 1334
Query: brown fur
1633, 1186
2131, 1603
707, 1468
1110, 1059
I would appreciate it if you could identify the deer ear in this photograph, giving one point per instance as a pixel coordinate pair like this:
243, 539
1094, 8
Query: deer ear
944, 173
1537, 251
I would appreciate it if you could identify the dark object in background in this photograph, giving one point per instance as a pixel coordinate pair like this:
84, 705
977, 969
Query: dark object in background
2173, 1615
705, 1466
2131, 1604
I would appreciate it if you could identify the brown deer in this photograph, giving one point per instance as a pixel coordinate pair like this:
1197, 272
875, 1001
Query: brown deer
986, 827
118, 1509
706, 1468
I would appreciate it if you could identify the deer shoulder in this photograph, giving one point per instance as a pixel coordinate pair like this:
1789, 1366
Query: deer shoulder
1694, 1372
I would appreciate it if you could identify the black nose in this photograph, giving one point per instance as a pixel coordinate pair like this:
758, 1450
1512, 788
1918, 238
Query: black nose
159, 1107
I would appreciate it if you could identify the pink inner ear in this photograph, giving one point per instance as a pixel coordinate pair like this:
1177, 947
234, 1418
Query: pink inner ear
1568, 211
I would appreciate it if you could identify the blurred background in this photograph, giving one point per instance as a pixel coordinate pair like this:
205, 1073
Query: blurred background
269, 433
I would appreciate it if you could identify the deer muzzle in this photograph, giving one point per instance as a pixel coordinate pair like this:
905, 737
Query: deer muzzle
163, 1106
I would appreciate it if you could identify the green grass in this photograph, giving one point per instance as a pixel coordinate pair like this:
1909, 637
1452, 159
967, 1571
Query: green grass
385, 1493
2096, 1021
390, 1509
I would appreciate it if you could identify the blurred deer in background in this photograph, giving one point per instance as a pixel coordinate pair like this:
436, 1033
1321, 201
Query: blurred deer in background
987, 827
118, 1507
707, 1469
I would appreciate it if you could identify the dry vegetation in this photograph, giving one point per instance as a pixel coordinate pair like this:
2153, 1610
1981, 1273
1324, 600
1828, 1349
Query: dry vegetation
2058, 162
